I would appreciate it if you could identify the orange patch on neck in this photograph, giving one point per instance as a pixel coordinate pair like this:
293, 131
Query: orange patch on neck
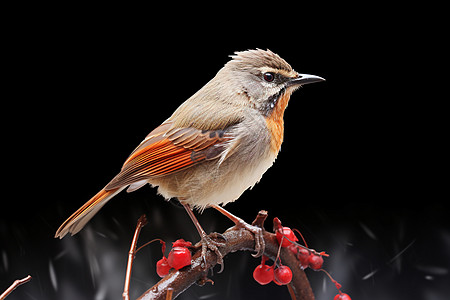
275, 122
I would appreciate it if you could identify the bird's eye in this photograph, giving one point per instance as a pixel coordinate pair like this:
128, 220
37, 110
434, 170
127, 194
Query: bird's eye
269, 77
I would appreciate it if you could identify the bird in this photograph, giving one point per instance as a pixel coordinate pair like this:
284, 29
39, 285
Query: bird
216, 144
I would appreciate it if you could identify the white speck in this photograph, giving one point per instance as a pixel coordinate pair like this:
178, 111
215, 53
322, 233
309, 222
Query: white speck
101, 292
60, 254
101, 234
367, 276
53, 279
401, 252
433, 270
207, 296
368, 231
324, 284
5, 260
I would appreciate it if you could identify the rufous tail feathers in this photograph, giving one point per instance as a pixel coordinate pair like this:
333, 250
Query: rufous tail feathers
79, 218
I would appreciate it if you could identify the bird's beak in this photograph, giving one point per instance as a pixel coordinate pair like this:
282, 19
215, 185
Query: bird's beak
304, 79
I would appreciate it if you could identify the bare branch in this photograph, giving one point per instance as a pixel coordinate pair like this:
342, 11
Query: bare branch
140, 223
236, 240
14, 286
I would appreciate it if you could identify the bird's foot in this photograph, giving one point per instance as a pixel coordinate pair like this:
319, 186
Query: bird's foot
260, 244
212, 243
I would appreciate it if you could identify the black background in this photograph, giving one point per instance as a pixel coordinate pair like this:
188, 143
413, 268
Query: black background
358, 172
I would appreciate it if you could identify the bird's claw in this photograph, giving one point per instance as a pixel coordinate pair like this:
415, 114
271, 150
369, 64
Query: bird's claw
207, 242
260, 244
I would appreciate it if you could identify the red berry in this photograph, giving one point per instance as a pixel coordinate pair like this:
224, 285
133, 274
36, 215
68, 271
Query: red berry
263, 274
282, 275
303, 256
315, 262
179, 257
293, 248
342, 296
162, 267
181, 243
288, 233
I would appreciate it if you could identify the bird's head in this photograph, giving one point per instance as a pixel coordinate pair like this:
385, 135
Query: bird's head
264, 77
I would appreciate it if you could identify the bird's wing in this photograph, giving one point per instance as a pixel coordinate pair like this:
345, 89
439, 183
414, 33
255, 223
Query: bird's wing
166, 150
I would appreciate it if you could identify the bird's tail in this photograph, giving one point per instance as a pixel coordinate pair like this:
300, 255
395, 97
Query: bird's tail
79, 218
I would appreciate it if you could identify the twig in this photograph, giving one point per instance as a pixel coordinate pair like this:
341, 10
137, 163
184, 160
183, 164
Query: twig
140, 223
236, 240
14, 286
169, 294
291, 292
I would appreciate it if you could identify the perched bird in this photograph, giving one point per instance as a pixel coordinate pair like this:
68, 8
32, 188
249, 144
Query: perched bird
216, 145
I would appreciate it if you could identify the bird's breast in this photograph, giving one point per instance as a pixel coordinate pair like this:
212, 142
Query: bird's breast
275, 123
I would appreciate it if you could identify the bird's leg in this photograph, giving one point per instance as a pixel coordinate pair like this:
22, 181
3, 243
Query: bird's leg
257, 231
205, 240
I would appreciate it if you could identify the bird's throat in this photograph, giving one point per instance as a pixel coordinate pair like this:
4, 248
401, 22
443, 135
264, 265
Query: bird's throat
275, 122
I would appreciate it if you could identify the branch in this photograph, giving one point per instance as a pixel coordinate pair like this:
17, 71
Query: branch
236, 240
131, 254
14, 286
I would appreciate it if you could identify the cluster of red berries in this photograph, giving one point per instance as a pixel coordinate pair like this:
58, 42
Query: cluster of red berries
307, 257
282, 275
179, 257
265, 274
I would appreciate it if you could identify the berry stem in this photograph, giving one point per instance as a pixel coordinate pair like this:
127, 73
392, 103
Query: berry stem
337, 284
301, 235
279, 249
154, 240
